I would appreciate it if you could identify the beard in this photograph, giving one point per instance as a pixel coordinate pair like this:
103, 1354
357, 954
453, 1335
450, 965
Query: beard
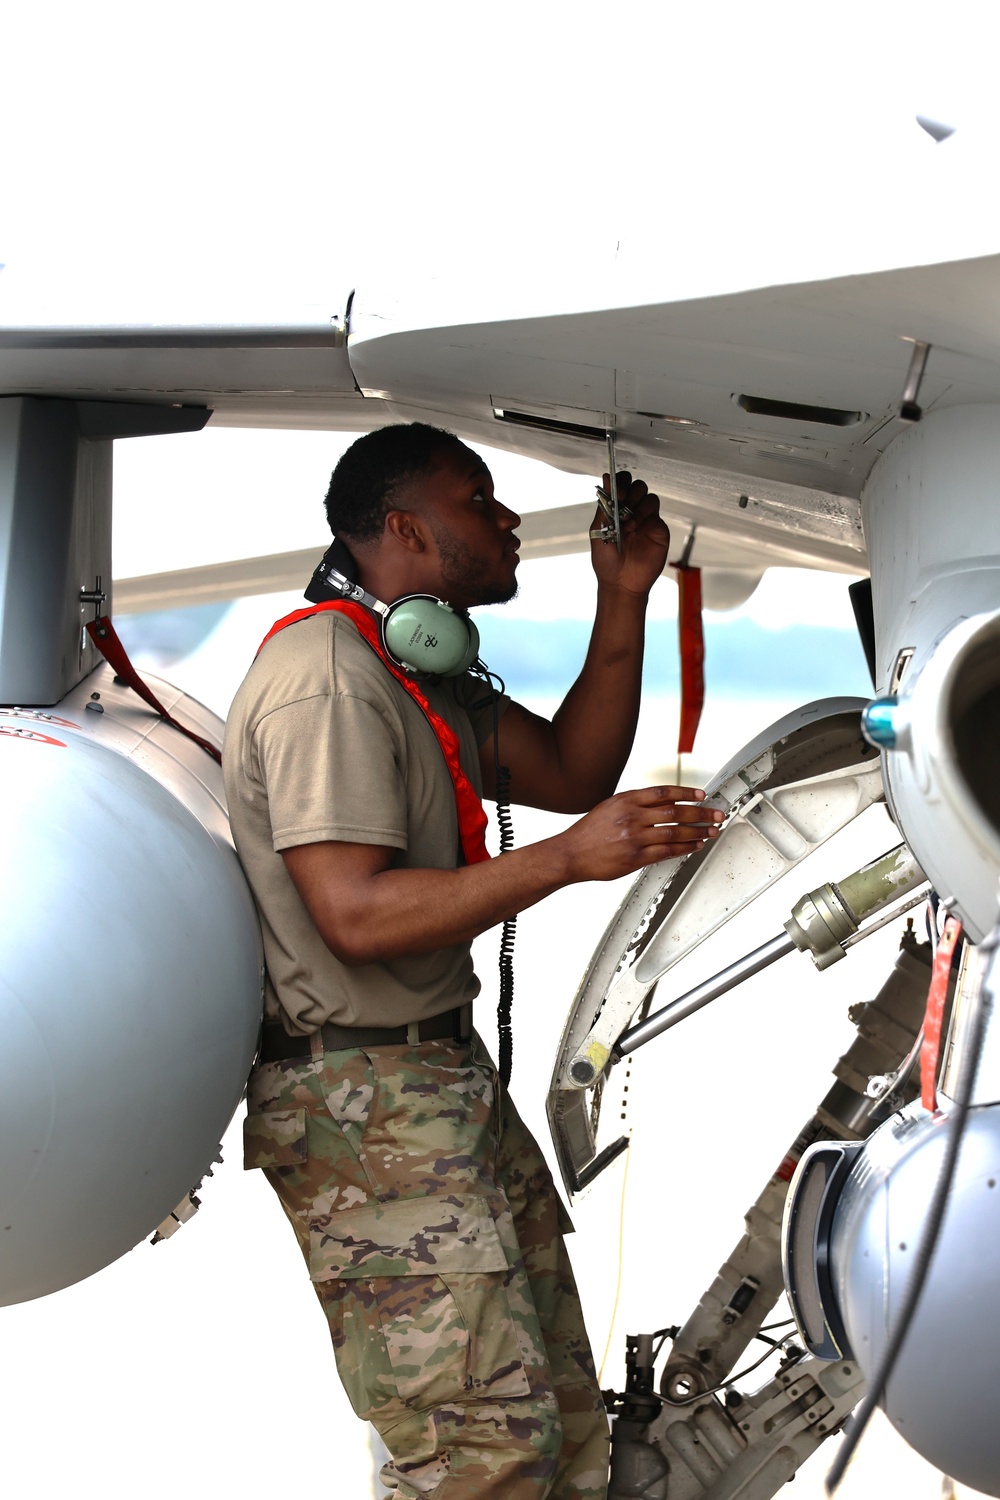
467, 576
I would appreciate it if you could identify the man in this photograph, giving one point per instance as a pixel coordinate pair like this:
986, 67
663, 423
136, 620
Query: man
427, 1217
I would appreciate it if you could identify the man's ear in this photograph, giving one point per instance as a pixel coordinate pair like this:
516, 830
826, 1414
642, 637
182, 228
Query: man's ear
406, 529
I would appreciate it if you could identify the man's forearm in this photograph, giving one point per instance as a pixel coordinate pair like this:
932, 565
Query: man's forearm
406, 913
595, 726
367, 911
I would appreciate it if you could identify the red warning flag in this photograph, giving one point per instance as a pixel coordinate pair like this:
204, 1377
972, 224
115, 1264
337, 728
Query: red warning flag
691, 636
934, 1014
105, 638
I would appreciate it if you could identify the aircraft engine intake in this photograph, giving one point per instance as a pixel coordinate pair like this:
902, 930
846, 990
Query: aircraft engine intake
942, 737
974, 712
932, 519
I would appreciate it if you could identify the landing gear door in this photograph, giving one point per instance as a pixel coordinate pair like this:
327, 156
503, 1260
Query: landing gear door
784, 794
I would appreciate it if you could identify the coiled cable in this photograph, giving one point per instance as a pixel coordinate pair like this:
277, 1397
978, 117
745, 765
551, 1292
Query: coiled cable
505, 823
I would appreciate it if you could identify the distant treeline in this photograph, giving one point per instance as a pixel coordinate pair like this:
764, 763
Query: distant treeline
742, 659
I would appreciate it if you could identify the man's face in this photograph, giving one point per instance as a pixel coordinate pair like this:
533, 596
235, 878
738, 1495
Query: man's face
473, 532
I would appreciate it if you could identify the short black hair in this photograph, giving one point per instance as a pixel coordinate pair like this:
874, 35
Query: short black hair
364, 484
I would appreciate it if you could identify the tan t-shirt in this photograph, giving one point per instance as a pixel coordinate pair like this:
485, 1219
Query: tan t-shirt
323, 743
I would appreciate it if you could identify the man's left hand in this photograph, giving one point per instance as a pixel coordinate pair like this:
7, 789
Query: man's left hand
645, 540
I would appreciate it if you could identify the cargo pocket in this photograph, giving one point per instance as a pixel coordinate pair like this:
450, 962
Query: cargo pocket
275, 1139
435, 1271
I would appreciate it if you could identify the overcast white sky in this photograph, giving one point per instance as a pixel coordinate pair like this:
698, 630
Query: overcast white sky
210, 159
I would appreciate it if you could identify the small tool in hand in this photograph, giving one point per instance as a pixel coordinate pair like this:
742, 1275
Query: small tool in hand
616, 513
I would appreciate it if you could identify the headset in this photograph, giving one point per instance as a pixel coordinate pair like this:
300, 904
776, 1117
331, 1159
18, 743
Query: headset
420, 633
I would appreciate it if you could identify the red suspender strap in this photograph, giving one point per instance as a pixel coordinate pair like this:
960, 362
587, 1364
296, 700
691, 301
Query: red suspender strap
105, 638
472, 820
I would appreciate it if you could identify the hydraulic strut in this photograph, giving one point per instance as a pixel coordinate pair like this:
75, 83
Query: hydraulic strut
822, 924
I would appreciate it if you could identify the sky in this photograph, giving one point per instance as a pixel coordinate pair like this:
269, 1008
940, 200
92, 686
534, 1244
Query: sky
218, 162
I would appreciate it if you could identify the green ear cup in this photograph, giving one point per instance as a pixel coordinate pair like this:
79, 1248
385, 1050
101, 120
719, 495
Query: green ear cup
427, 636
471, 653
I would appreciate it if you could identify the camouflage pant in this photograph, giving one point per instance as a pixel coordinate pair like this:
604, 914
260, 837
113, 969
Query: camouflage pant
432, 1232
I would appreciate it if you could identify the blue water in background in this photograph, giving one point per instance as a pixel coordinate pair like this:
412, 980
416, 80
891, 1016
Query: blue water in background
742, 659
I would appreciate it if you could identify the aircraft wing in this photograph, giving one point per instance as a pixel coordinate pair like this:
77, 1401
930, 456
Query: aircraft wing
756, 415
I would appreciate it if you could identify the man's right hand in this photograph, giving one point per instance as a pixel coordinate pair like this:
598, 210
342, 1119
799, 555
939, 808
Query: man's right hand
638, 828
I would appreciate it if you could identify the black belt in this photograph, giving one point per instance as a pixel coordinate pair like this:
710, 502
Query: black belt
277, 1046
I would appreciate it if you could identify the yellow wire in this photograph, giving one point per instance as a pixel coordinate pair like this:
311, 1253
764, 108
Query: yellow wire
621, 1257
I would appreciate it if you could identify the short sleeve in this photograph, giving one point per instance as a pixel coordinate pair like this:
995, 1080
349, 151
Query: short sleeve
331, 768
